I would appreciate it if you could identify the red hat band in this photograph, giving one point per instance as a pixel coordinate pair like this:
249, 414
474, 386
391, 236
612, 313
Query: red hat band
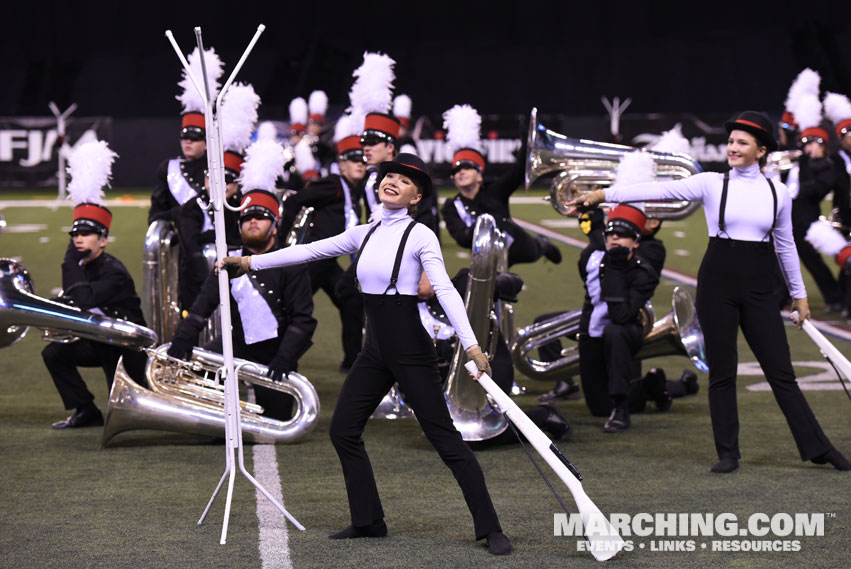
348, 144
469, 155
93, 212
843, 127
788, 120
843, 256
233, 161
316, 117
629, 213
260, 199
298, 127
404, 122
382, 123
193, 119
815, 132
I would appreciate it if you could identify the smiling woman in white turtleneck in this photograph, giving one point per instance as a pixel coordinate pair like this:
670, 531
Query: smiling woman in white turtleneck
750, 229
393, 251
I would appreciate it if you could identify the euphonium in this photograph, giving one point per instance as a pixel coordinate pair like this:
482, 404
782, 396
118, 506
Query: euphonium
781, 161
186, 397
20, 308
678, 333
474, 417
586, 165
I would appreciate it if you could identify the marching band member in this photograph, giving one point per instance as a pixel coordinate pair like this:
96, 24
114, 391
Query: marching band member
476, 197
397, 349
334, 199
807, 81
317, 106
402, 110
92, 280
750, 225
181, 179
273, 309
816, 175
838, 109
298, 120
195, 225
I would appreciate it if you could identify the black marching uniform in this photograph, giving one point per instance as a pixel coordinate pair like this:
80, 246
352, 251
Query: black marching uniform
178, 181
101, 285
460, 215
335, 208
286, 293
816, 179
606, 359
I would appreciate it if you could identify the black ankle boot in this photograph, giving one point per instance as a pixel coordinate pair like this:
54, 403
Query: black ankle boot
725, 466
376, 529
498, 544
834, 457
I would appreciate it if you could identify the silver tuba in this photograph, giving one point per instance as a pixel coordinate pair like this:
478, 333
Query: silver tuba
186, 397
21, 308
678, 333
586, 165
160, 282
471, 411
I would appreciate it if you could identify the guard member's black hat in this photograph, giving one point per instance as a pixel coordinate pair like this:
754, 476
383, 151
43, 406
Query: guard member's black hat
755, 123
410, 165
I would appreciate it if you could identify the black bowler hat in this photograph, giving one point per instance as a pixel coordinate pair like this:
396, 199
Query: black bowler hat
755, 123
410, 165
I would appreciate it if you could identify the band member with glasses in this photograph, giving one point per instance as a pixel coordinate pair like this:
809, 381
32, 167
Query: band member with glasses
92, 280
392, 253
749, 220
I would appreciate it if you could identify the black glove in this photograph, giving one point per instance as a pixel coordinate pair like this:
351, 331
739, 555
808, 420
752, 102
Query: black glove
617, 257
75, 256
279, 367
181, 348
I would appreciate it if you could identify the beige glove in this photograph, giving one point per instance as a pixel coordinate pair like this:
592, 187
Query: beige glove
482, 363
803, 308
236, 266
585, 202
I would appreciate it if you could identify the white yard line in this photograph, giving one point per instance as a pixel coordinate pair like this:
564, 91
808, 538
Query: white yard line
274, 536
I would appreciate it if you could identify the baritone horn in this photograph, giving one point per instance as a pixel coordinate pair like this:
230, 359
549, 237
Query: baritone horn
20, 308
678, 333
587, 165
186, 397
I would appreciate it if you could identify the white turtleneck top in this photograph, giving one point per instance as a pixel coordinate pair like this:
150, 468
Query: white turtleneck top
422, 252
748, 214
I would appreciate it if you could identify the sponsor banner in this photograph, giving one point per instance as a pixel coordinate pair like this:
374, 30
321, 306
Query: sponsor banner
29, 147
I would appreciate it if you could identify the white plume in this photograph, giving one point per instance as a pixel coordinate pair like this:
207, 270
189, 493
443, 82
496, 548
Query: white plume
402, 107
304, 160
190, 98
317, 103
635, 168
90, 168
298, 111
267, 131
673, 141
372, 90
807, 111
264, 163
239, 115
825, 238
463, 128
807, 82
837, 107
346, 127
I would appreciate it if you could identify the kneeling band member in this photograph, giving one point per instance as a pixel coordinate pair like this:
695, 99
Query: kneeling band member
273, 309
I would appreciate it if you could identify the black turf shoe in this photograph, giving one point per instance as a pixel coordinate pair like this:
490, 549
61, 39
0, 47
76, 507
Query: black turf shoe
834, 457
562, 391
555, 424
618, 421
376, 529
89, 416
725, 466
498, 544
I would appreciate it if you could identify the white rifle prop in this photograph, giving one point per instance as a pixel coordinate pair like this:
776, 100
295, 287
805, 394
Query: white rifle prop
603, 538
828, 350
64, 147
215, 167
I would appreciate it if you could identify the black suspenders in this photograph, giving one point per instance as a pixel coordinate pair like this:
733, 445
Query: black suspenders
722, 226
394, 276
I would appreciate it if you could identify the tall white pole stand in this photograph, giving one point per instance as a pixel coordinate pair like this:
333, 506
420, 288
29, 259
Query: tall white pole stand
215, 167
64, 147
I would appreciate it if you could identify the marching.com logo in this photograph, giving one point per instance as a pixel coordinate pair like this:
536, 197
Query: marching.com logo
760, 532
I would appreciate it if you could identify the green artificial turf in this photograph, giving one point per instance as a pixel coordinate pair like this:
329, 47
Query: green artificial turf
134, 504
